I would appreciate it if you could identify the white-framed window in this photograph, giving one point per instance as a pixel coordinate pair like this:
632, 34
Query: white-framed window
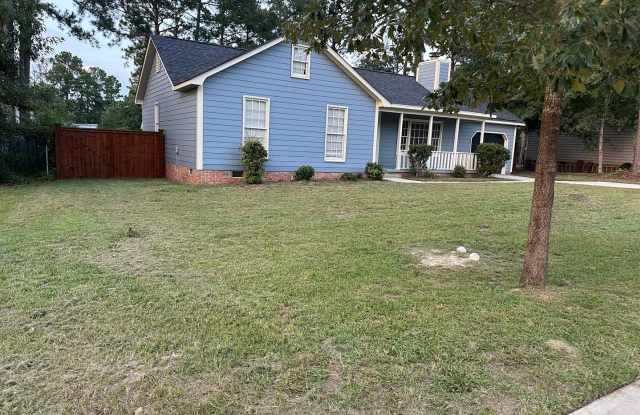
156, 117
436, 136
335, 143
300, 62
417, 132
413, 132
158, 64
255, 120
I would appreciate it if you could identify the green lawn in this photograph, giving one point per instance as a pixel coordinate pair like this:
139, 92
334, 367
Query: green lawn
116, 295
617, 177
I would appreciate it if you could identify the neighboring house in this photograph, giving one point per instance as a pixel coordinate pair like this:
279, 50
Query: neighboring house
91, 126
574, 156
305, 107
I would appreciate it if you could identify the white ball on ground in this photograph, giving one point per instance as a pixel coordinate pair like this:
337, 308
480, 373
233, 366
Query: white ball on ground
461, 250
474, 257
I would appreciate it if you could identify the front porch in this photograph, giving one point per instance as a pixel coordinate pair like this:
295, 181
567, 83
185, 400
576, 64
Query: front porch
454, 138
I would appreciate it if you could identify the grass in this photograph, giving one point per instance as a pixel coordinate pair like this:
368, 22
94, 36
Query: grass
305, 298
617, 177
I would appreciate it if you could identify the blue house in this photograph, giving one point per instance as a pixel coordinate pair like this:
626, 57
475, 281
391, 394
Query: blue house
304, 107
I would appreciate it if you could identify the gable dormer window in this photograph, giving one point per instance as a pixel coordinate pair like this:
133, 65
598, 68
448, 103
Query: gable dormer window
300, 62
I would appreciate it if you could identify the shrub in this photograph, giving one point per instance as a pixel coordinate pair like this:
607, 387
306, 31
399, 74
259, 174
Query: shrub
491, 158
350, 177
419, 155
459, 171
305, 172
625, 166
254, 156
374, 171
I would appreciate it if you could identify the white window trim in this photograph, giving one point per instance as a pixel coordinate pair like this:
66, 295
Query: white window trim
266, 118
308, 62
156, 117
441, 123
410, 120
326, 133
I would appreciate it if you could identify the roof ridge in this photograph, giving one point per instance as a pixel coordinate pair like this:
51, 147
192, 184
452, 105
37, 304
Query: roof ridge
201, 42
384, 72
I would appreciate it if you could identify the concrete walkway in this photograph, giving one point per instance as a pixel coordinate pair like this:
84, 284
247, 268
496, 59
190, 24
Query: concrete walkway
436, 181
509, 178
614, 185
624, 401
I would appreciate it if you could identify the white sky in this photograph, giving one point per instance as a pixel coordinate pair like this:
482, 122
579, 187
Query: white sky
109, 58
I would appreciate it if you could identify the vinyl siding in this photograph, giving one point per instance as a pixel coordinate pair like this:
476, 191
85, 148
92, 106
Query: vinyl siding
444, 71
467, 130
509, 131
426, 74
618, 148
297, 113
177, 117
388, 139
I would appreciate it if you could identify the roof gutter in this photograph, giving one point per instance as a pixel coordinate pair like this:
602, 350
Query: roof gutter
469, 115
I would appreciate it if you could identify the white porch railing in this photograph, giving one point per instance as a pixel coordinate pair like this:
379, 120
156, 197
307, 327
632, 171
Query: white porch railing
443, 161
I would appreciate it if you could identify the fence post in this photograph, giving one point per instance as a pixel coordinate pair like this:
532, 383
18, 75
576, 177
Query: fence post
46, 157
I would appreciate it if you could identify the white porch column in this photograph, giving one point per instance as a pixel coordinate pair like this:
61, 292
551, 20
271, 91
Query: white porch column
376, 136
513, 149
430, 130
399, 139
482, 132
456, 135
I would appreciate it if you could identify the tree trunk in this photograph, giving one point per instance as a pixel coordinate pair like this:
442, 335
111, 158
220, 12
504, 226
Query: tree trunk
536, 257
601, 145
636, 155
196, 32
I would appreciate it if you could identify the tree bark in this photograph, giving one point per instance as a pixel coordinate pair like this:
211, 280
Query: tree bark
196, 31
636, 153
536, 258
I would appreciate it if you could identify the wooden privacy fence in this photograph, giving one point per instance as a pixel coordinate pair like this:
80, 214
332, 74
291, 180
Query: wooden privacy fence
101, 153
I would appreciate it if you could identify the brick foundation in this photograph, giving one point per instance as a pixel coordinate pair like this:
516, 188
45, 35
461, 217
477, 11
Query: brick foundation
184, 174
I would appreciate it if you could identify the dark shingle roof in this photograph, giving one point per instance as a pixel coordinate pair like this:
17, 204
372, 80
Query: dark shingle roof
186, 59
405, 90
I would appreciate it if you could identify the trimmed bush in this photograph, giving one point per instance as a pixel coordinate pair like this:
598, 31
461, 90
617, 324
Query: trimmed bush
419, 155
374, 171
459, 171
491, 158
626, 166
305, 172
350, 177
254, 156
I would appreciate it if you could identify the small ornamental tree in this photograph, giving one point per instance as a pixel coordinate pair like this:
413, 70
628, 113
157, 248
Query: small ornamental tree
254, 156
419, 155
491, 158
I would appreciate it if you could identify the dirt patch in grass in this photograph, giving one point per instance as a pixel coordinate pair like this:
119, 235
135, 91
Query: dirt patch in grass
436, 258
334, 369
129, 254
538, 294
561, 346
